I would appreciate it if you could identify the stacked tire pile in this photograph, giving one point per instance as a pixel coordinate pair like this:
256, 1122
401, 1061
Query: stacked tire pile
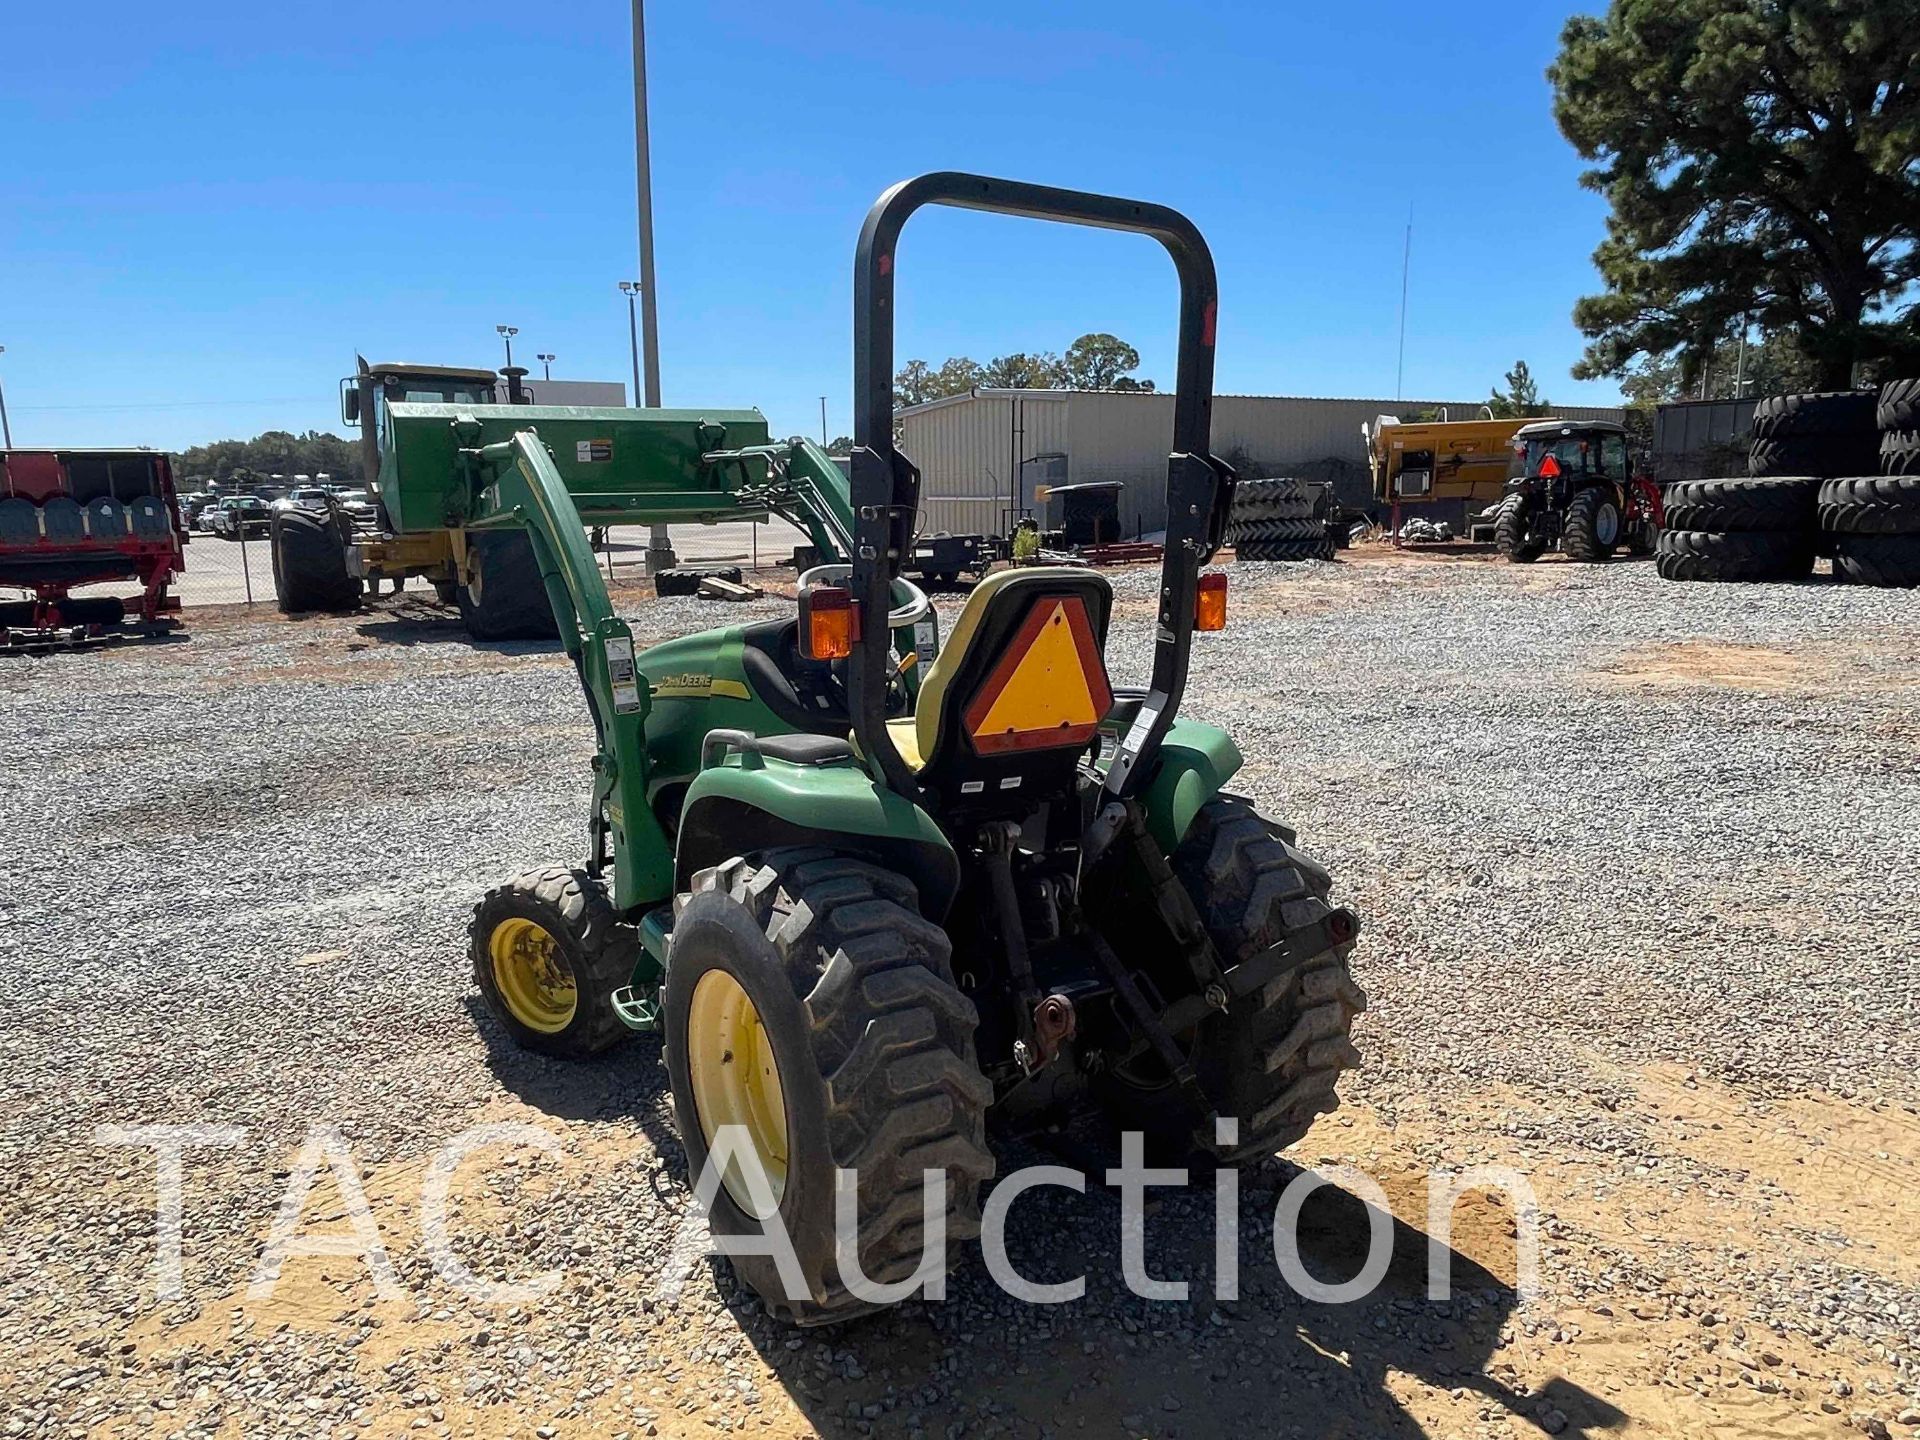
1281, 519
1872, 522
1768, 524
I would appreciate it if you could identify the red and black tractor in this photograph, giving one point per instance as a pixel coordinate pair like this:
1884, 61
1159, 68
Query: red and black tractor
1575, 487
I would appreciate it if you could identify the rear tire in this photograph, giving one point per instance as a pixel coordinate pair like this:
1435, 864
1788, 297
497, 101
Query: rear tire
1871, 505
1272, 1059
1592, 526
1830, 413
506, 598
852, 995
1890, 561
1900, 452
1724, 555
309, 551
1510, 531
1816, 455
548, 951
1778, 504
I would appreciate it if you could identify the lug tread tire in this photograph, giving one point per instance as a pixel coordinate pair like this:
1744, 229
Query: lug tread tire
1871, 505
1276, 530
1783, 504
1285, 551
1900, 452
1898, 407
512, 603
1731, 555
1889, 561
893, 1048
1274, 1058
601, 950
1823, 413
1854, 453
1282, 498
1581, 535
1510, 532
309, 554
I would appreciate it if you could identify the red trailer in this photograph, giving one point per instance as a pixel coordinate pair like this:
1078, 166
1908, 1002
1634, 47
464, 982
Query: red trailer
87, 517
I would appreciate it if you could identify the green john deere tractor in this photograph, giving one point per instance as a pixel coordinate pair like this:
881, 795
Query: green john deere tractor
871, 883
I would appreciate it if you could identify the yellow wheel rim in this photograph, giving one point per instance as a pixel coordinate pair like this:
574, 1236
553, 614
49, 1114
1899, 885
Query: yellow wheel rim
532, 976
736, 1081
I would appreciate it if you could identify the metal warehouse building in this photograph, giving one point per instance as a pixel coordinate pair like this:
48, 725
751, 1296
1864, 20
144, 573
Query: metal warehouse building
977, 451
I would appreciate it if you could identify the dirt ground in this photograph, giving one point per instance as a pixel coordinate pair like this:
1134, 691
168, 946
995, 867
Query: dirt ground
1662, 1190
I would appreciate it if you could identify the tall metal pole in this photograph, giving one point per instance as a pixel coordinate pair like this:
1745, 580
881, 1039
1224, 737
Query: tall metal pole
6, 430
659, 543
1740, 359
1406, 266
823, 419
631, 288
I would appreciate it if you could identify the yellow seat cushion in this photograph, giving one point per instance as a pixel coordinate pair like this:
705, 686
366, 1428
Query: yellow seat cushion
906, 739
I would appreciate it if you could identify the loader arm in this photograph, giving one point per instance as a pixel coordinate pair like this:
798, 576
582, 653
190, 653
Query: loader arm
515, 485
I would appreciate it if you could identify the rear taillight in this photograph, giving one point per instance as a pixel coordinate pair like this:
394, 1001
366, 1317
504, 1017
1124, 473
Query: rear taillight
1210, 604
829, 622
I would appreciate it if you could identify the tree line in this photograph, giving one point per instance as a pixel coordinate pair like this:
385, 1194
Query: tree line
277, 452
1097, 361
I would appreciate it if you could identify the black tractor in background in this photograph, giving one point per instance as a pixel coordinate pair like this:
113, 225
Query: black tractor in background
1575, 487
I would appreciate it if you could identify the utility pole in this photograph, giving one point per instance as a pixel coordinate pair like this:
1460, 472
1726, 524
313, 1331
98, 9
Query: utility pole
1740, 360
6, 430
1406, 266
659, 542
823, 420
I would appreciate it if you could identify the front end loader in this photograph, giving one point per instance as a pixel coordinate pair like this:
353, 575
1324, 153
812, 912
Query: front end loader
873, 885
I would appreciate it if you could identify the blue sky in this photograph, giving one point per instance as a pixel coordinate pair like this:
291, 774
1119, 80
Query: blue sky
207, 207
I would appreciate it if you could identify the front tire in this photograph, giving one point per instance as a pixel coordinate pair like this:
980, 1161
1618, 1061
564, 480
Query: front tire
1510, 531
548, 951
825, 964
505, 598
309, 551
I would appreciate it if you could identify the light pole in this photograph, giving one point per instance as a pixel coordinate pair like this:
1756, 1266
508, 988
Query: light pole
659, 542
507, 332
630, 289
546, 365
823, 420
6, 430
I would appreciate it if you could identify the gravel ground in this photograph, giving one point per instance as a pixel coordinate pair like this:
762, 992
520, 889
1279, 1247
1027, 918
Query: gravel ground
1636, 865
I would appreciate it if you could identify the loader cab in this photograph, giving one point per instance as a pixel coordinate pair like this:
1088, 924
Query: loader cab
366, 396
1579, 452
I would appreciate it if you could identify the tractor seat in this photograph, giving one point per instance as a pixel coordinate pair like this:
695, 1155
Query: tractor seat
1017, 691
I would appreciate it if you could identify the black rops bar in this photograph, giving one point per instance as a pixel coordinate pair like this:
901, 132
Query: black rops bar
886, 486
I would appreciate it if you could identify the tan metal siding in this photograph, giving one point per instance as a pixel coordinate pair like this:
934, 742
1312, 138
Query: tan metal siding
962, 446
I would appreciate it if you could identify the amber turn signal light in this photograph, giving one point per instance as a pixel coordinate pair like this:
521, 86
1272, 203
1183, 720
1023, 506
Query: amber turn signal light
1210, 605
828, 622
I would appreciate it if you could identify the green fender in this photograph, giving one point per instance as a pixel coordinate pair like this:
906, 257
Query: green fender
750, 802
1195, 762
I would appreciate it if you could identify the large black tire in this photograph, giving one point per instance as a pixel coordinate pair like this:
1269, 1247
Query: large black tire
1272, 1059
1729, 555
506, 599
1871, 505
1283, 498
1279, 530
1592, 531
1900, 452
309, 549
560, 924
1285, 550
1888, 560
875, 1053
1899, 406
1782, 504
1510, 531
1816, 455
1832, 412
